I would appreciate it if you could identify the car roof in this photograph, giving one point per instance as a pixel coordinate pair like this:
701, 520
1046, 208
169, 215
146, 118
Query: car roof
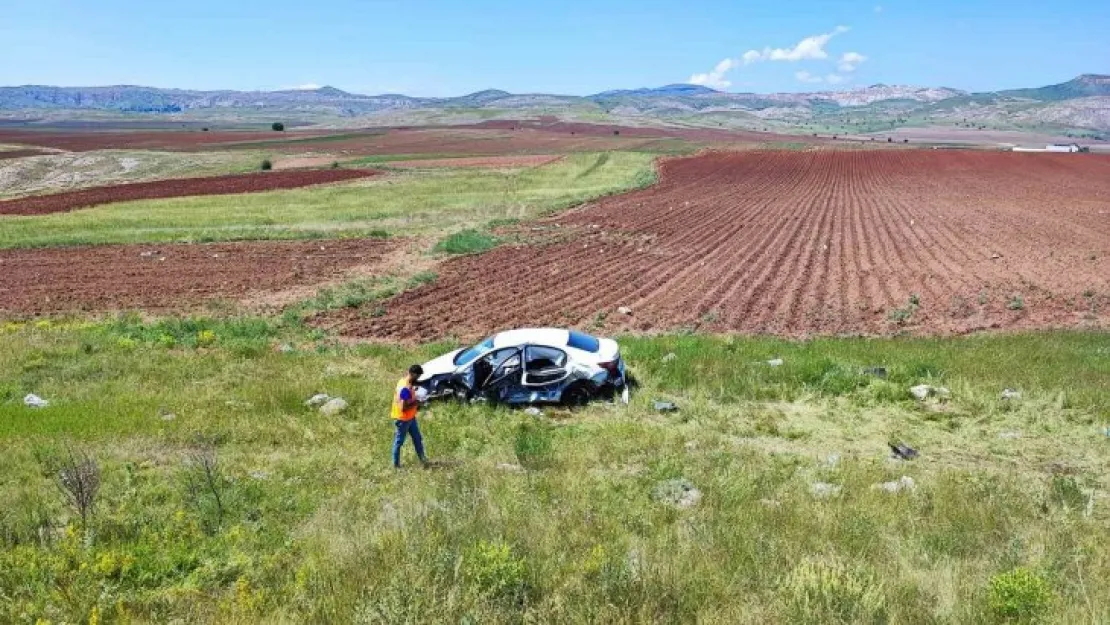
554, 337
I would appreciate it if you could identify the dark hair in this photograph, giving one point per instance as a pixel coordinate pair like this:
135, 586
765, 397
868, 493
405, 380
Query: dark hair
416, 370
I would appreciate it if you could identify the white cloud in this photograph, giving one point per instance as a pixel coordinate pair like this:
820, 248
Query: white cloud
810, 48
716, 77
878, 8
850, 61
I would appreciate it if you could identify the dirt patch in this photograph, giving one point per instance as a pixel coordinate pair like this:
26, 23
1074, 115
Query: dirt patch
302, 162
797, 243
21, 153
84, 141
212, 185
172, 277
479, 161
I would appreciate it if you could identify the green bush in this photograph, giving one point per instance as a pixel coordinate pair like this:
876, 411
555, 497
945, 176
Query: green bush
277, 127
267, 165
495, 570
1020, 595
467, 242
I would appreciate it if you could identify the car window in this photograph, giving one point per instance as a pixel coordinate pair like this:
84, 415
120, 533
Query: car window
584, 342
539, 358
467, 355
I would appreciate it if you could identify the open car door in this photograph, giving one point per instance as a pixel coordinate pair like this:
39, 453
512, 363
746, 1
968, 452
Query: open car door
496, 373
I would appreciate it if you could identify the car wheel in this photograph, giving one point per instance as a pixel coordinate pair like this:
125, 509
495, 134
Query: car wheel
576, 396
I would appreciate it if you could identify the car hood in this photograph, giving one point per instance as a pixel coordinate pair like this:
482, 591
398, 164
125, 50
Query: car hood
440, 366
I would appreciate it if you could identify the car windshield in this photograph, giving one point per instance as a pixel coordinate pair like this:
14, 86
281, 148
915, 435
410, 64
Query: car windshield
466, 356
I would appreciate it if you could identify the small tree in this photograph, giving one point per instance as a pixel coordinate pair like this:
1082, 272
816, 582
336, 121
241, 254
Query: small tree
277, 126
78, 477
204, 484
267, 165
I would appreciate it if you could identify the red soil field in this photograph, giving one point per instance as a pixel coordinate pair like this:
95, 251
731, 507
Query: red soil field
171, 277
797, 243
212, 185
21, 153
478, 161
84, 141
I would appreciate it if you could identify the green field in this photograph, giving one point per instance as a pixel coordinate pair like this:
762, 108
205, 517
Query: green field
563, 518
402, 203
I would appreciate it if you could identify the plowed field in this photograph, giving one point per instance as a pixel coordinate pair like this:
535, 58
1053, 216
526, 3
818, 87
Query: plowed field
164, 277
797, 243
86, 140
211, 185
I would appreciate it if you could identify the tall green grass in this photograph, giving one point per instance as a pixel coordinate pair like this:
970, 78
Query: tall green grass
553, 518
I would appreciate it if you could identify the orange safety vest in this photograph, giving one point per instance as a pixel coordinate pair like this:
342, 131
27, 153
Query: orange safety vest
398, 412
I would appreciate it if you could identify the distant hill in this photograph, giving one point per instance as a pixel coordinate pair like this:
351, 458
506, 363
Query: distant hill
1081, 103
1084, 86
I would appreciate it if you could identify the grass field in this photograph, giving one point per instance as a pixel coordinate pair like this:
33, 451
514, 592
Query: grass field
53, 173
436, 202
563, 518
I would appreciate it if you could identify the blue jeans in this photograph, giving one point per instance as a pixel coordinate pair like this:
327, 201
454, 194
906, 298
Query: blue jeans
405, 428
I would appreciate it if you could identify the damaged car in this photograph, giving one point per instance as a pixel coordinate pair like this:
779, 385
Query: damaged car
530, 366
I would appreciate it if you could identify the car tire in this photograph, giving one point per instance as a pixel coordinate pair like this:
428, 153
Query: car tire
577, 396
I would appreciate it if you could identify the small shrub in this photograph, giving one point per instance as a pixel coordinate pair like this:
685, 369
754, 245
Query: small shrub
206, 338
1065, 491
1016, 303
466, 242
422, 278
277, 127
205, 129
267, 165
1020, 595
125, 342
167, 340
616, 132
495, 569
335, 164
78, 477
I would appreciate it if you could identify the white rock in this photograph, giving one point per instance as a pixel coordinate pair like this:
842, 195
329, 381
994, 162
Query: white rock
776, 362
333, 407
1009, 435
624, 310
903, 483
317, 400
921, 391
511, 468
1011, 395
679, 493
669, 357
34, 401
533, 412
824, 490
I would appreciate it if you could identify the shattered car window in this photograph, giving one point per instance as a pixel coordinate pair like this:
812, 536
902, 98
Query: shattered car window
540, 358
467, 355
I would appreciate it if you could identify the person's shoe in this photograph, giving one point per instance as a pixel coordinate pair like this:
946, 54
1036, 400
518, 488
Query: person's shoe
424, 463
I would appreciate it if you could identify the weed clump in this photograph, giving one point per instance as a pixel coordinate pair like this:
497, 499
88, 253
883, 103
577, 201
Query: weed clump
819, 590
267, 165
1020, 595
495, 569
467, 242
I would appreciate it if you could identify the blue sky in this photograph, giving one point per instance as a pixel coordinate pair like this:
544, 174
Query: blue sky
443, 47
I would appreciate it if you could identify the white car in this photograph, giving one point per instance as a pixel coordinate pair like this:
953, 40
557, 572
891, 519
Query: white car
529, 365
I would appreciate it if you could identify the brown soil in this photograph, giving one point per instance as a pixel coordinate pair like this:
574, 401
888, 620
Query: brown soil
171, 277
21, 153
478, 161
797, 243
212, 185
84, 141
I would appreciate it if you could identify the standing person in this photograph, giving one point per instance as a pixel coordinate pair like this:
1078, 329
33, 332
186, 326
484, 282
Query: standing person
405, 405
